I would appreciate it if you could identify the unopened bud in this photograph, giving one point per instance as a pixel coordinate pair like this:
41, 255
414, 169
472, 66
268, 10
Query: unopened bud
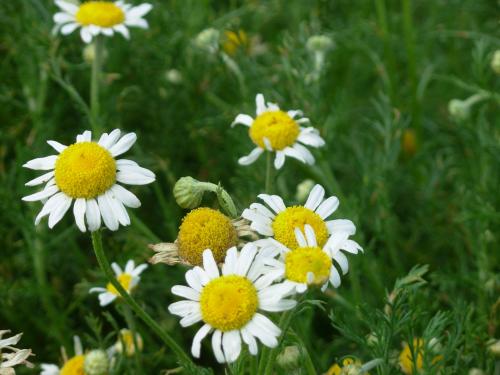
188, 192
289, 358
319, 43
96, 363
208, 40
495, 62
303, 190
459, 109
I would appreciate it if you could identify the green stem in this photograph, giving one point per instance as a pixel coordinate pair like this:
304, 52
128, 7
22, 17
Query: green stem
269, 172
155, 327
94, 85
129, 318
269, 356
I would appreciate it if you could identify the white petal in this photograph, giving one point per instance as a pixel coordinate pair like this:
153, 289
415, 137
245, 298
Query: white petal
93, 215
341, 259
200, 335
209, 264
118, 209
41, 179
315, 197
305, 153
328, 207
249, 340
279, 160
79, 213
136, 169
125, 196
193, 280
274, 202
138, 22
71, 8
251, 157
242, 119
299, 236
86, 35
122, 29
44, 194
292, 113
116, 268
106, 298
245, 259
186, 292
263, 210
341, 225
49, 206
310, 235
11, 341
123, 145
86, 136
133, 178
57, 146
139, 11
183, 308
44, 164
216, 346
231, 345
69, 28
230, 262
77, 344
260, 104
351, 246
107, 141
129, 267
293, 153
202, 275
190, 319
310, 138
334, 277
264, 336
107, 213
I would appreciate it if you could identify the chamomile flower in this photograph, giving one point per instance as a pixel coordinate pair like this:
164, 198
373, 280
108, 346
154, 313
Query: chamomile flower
71, 366
99, 17
280, 221
128, 279
278, 131
88, 173
229, 303
11, 356
201, 229
308, 264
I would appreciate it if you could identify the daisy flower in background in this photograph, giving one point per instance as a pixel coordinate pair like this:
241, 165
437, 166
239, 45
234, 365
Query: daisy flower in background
202, 228
11, 356
128, 279
278, 131
228, 304
126, 340
99, 17
73, 365
308, 264
280, 221
88, 173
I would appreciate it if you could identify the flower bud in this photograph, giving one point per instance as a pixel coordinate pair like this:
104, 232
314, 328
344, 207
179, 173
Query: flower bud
459, 109
289, 358
96, 363
208, 40
173, 76
319, 43
127, 339
476, 371
188, 192
303, 190
495, 62
494, 348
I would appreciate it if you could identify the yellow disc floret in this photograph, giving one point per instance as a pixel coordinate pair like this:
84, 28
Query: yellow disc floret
293, 217
125, 281
277, 126
85, 170
74, 366
205, 228
228, 302
304, 260
100, 13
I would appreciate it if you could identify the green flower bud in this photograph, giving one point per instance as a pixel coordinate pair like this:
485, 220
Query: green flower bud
96, 363
208, 40
319, 43
303, 190
188, 192
289, 358
173, 76
459, 109
495, 62
476, 371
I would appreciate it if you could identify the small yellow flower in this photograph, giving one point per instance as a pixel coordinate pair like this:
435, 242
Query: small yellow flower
201, 229
407, 359
234, 41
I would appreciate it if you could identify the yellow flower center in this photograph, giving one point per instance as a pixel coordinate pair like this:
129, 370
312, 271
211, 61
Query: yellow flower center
407, 361
228, 302
85, 170
205, 228
303, 260
286, 221
233, 41
74, 366
277, 126
100, 13
125, 281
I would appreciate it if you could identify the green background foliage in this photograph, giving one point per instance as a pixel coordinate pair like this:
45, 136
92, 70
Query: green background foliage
394, 68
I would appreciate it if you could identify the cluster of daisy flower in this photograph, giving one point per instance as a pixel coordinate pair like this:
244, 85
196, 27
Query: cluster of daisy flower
239, 268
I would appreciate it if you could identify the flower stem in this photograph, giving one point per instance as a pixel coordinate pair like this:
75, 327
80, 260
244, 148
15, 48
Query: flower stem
269, 172
129, 318
94, 85
184, 359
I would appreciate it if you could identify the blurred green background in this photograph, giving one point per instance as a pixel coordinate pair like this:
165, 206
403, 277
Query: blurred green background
421, 184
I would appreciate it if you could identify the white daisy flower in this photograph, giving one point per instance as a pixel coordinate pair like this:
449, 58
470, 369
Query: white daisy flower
99, 17
229, 304
73, 365
280, 221
128, 279
308, 264
277, 131
11, 356
88, 173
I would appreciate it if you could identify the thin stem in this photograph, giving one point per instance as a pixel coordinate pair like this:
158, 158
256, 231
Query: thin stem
105, 267
269, 172
94, 85
129, 318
